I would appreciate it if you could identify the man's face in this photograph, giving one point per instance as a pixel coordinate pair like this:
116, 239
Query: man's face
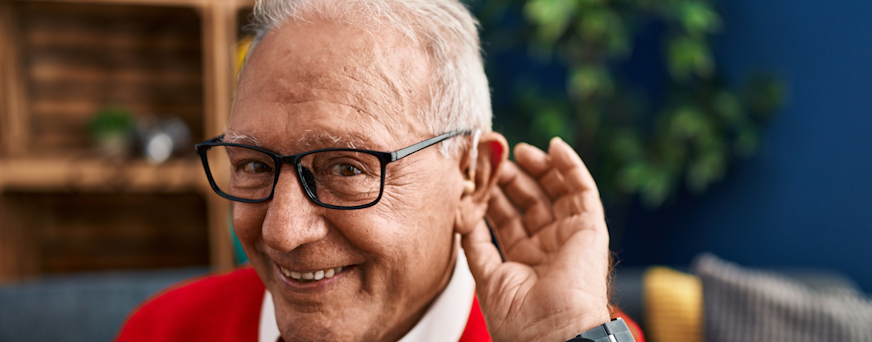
313, 85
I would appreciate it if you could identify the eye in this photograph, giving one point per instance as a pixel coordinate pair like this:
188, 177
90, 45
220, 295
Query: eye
256, 167
345, 170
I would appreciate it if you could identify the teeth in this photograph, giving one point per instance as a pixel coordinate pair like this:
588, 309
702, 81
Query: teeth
311, 276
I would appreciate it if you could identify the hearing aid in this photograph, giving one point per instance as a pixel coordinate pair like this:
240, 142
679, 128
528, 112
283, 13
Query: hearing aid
469, 183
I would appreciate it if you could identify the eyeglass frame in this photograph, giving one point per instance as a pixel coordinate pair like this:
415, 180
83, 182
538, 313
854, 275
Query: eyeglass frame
384, 158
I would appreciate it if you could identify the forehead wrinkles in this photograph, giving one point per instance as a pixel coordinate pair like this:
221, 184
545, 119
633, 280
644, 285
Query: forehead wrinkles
377, 73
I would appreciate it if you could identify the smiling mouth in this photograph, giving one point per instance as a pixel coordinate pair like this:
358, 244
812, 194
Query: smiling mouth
308, 277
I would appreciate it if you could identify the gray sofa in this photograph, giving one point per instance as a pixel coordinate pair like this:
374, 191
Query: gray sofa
83, 307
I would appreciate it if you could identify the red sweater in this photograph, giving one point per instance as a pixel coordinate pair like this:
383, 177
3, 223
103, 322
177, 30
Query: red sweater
227, 308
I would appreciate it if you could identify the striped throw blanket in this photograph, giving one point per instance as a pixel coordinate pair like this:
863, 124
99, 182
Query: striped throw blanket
743, 305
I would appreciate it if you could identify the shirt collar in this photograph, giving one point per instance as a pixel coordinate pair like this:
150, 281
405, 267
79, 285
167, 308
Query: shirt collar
445, 320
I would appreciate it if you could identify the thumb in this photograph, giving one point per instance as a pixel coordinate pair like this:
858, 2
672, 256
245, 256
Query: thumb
482, 255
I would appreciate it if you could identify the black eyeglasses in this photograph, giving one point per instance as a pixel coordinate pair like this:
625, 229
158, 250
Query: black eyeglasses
335, 178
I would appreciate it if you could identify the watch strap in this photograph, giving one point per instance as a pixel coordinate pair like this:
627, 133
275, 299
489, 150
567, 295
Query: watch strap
614, 331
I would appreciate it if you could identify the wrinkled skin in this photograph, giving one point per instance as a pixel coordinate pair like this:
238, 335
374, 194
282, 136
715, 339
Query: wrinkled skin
313, 84
553, 284
304, 85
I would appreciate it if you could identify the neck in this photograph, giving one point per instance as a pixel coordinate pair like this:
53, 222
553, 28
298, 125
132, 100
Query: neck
408, 324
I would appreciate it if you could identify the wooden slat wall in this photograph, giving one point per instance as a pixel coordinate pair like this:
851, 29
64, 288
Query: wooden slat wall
13, 104
19, 247
6, 24
219, 29
87, 232
80, 58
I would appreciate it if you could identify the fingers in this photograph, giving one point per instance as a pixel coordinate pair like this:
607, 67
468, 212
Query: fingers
538, 164
535, 161
525, 192
567, 206
576, 176
540, 189
583, 196
505, 220
481, 254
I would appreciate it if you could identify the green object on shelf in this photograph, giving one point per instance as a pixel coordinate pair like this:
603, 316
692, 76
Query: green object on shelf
110, 121
111, 130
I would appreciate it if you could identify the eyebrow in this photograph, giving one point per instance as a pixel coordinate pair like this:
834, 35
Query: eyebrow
308, 141
241, 138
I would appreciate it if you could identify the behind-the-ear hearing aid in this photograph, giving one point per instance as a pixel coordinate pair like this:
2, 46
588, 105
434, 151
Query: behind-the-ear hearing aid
469, 183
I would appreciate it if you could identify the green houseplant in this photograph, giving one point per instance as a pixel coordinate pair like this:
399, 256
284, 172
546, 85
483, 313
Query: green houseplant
111, 130
634, 149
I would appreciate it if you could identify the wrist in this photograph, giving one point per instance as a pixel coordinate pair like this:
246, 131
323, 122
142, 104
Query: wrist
613, 331
566, 329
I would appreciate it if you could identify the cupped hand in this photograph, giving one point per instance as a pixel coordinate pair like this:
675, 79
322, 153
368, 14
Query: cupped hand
548, 219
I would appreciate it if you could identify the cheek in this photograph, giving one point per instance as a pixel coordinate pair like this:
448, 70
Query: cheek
412, 225
247, 222
422, 188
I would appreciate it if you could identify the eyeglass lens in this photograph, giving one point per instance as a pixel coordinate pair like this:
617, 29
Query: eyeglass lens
339, 178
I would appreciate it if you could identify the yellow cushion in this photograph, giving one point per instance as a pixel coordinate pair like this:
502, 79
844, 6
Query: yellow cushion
673, 306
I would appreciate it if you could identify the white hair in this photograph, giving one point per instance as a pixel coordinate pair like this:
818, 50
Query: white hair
445, 29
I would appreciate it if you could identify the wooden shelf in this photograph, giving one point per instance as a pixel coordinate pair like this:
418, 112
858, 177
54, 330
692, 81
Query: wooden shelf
102, 175
58, 232
60, 62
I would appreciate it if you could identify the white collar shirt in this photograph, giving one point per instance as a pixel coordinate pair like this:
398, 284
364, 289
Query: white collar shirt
445, 319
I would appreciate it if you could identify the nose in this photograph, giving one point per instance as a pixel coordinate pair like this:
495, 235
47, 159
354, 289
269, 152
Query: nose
292, 219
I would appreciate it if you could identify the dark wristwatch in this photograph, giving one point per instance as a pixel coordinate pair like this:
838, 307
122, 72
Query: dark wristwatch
614, 331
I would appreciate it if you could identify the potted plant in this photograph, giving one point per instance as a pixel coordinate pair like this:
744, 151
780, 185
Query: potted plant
111, 131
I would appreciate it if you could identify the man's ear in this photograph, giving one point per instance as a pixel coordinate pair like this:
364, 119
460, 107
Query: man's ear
493, 151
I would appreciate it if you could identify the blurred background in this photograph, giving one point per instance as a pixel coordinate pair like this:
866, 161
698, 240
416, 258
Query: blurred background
735, 127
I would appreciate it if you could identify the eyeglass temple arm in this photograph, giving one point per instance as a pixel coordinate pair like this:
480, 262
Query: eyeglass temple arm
401, 153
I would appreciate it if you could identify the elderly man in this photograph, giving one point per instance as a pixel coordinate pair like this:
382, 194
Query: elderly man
350, 243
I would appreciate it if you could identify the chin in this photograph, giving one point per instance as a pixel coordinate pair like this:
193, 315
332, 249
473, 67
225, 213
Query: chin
324, 325
335, 309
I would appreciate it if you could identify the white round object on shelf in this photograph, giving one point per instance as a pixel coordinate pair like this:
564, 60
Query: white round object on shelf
159, 148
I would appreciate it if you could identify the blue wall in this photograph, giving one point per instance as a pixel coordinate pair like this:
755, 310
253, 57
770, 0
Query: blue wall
806, 198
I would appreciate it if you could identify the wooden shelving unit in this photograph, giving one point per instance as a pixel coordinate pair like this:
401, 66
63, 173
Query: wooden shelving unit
99, 175
62, 60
